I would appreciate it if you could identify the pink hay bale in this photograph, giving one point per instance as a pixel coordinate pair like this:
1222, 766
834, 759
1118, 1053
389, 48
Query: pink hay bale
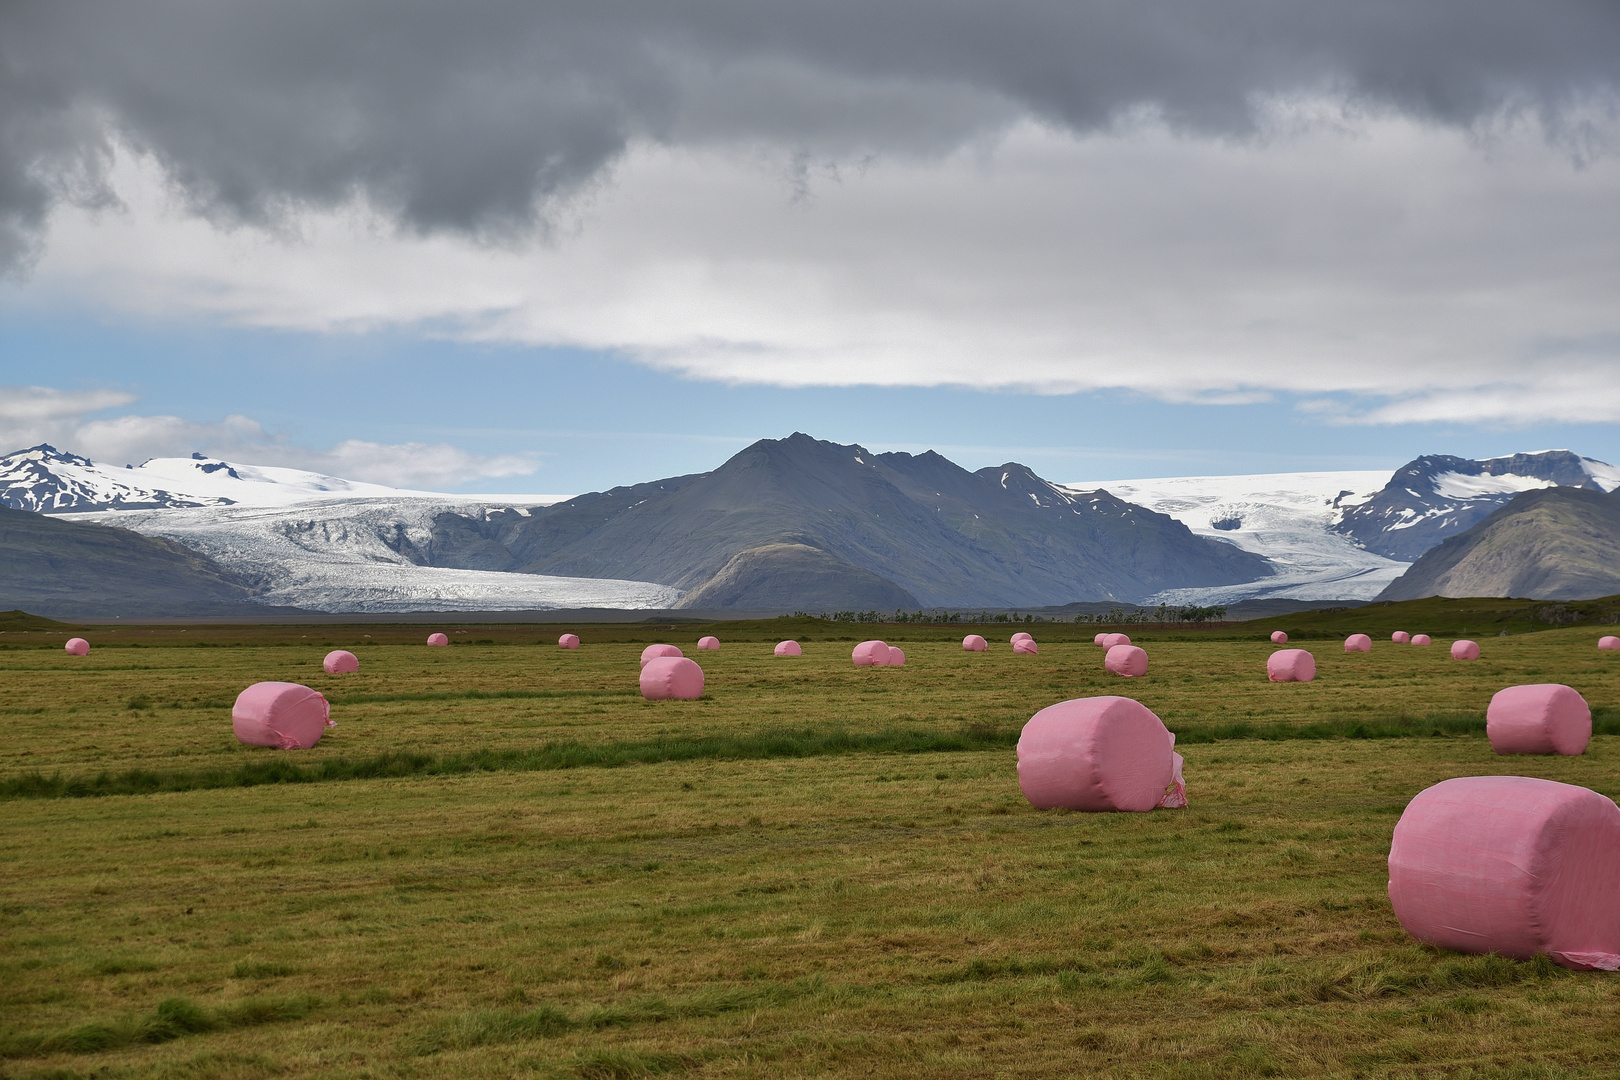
77, 647
1098, 640
1400, 637
283, 715
1026, 647
1022, 635
568, 641
1358, 643
1609, 642
871, 654
1510, 865
1279, 638
708, 643
1291, 665
667, 677
975, 643
653, 652
340, 662
1110, 640
1128, 660
438, 639
1422, 639
1463, 649
788, 648
897, 658
1541, 718
1099, 753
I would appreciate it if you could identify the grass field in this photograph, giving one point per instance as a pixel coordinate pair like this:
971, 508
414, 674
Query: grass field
502, 862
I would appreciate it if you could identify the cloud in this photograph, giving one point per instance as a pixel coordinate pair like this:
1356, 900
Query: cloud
62, 419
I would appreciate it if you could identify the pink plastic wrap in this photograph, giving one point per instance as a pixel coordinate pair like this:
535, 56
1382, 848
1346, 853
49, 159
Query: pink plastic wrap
1463, 649
871, 654
568, 641
1022, 635
1279, 638
1358, 643
1421, 639
1510, 865
77, 646
653, 652
666, 677
1026, 647
788, 648
340, 662
284, 715
1099, 753
1541, 718
708, 643
438, 639
975, 643
1127, 660
1098, 640
1291, 665
1110, 640
1400, 637
897, 658
1609, 642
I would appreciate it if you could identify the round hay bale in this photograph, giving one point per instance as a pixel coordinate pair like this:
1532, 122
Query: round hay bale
438, 639
1462, 649
1539, 718
282, 715
1026, 647
1400, 637
1127, 660
1099, 753
1098, 640
871, 654
77, 646
1291, 665
1110, 640
1279, 638
975, 643
1421, 639
897, 658
666, 677
653, 652
340, 662
1022, 635
788, 648
708, 643
568, 641
1510, 865
1358, 643
1609, 643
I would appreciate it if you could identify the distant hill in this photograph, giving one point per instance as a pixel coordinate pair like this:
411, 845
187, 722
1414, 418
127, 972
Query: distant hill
1438, 496
76, 568
1555, 544
851, 529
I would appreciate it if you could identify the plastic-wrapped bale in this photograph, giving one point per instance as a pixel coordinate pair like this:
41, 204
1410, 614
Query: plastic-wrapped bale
1358, 643
897, 657
1022, 635
667, 677
1129, 660
283, 715
708, 643
1026, 647
568, 641
1400, 637
1110, 640
1099, 753
1540, 718
340, 662
1462, 649
1510, 865
975, 643
1279, 638
77, 646
1098, 640
1291, 665
1422, 639
438, 639
871, 654
653, 652
1609, 642
788, 648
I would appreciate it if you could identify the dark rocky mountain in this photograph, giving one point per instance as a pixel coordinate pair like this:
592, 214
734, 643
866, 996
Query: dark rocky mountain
77, 568
1439, 496
1559, 543
853, 529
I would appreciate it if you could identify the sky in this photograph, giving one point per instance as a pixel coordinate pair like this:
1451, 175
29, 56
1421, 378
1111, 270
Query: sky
517, 247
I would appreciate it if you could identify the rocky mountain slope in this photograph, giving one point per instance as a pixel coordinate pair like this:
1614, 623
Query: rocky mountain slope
1561, 543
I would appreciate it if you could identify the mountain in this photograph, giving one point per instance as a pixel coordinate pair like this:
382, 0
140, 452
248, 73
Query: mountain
1560, 543
876, 529
78, 568
1438, 496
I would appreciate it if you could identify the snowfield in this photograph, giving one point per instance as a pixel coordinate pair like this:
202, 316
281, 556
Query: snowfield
1283, 516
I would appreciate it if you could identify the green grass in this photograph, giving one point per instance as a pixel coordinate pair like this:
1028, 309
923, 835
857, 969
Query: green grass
503, 862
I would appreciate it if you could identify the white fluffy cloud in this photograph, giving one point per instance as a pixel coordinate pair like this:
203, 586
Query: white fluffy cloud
33, 414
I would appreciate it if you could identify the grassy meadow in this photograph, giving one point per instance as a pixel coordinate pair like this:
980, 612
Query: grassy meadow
503, 862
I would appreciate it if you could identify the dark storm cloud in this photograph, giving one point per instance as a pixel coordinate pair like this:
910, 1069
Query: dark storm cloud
473, 116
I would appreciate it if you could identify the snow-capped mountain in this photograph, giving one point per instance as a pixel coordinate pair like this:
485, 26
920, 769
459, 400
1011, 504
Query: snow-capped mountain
1438, 496
48, 481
